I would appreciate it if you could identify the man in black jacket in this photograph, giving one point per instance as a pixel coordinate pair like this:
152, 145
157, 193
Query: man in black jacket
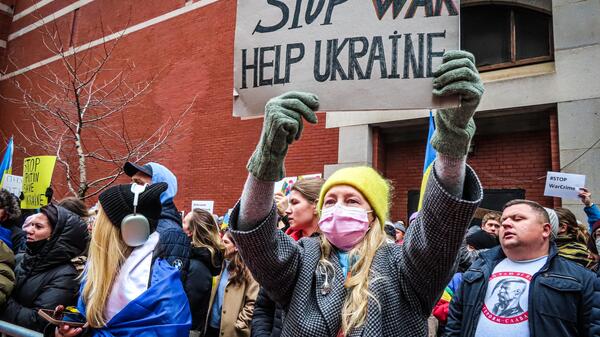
173, 245
523, 288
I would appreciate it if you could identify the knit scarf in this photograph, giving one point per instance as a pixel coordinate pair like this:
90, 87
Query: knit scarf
570, 248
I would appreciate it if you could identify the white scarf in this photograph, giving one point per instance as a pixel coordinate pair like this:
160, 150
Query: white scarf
133, 277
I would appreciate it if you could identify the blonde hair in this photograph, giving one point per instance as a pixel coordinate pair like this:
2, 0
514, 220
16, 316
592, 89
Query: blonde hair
205, 234
107, 253
354, 311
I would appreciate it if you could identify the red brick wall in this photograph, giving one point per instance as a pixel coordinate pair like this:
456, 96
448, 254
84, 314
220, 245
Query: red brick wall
513, 160
555, 150
5, 23
192, 55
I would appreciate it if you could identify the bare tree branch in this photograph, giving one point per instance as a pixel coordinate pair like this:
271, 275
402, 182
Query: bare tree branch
80, 110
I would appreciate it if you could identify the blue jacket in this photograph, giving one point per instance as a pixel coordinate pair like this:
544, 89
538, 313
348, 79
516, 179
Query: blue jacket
593, 214
173, 245
564, 298
162, 310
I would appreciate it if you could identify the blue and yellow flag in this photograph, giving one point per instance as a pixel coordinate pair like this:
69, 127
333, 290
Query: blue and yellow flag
430, 155
6, 165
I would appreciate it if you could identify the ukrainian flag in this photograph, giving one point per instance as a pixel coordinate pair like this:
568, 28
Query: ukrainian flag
6, 166
430, 155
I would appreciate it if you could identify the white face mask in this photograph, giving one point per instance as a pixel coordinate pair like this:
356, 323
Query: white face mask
598, 244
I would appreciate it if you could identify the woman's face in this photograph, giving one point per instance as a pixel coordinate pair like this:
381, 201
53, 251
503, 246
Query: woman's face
347, 196
301, 213
37, 227
230, 247
186, 225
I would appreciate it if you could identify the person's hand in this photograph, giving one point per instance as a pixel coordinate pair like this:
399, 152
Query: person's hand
64, 330
282, 202
67, 331
586, 196
49, 193
455, 126
282, 125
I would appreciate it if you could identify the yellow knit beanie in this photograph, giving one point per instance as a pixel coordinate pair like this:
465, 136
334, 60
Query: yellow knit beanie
366, 180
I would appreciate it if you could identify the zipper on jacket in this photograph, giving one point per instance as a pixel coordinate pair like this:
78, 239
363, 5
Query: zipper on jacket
479, 305
564, 277
542, 270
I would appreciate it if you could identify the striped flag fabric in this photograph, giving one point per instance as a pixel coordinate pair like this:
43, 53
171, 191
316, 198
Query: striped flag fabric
430, 155
6, 165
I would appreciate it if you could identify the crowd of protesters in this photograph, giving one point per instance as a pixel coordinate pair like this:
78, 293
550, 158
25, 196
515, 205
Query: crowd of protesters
325, 260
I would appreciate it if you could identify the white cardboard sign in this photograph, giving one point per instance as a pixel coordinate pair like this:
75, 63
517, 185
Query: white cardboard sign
353, 54
14, 184
207, 205
563, 185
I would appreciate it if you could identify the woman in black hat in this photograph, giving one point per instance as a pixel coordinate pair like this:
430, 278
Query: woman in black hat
126, 290
44, 274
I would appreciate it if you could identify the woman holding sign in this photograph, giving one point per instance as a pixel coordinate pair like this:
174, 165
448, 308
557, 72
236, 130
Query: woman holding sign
350, 281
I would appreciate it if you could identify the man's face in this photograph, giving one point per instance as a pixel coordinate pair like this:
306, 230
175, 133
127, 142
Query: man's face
510, 291
141, 178
522, 227
3, 214
492, 227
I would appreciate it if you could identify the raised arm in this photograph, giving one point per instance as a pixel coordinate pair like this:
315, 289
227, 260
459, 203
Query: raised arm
272, 257
453, 191
591, 210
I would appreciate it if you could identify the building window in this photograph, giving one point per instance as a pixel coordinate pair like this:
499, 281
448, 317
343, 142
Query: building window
506, 36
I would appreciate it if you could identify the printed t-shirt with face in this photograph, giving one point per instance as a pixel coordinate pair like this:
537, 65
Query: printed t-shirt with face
505, 308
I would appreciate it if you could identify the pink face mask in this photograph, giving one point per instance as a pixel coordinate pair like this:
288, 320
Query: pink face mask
344, 226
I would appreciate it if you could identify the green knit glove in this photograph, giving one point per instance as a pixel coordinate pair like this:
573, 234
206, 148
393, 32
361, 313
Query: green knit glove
455, 127
282, 125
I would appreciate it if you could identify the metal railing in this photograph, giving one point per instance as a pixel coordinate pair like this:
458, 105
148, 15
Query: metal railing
8, 329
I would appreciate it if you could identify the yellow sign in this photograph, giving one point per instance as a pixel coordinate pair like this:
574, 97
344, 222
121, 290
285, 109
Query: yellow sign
37, 175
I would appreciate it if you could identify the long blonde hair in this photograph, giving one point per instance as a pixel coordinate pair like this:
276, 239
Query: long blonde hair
107, 253
354, 312
205, 234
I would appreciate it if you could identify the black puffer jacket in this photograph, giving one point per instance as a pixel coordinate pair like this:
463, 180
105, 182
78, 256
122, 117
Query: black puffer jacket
47, 279
198, 285
267, 319
173, 245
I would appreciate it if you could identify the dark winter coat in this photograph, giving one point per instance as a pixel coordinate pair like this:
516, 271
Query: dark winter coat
410, 277
267, 320
564, 298
48, 278
173, 245
199, 284
7, 275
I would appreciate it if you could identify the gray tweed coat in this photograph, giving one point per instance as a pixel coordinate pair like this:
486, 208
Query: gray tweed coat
407, 280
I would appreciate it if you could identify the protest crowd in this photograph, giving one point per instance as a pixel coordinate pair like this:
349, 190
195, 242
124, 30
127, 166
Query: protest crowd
323, 260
